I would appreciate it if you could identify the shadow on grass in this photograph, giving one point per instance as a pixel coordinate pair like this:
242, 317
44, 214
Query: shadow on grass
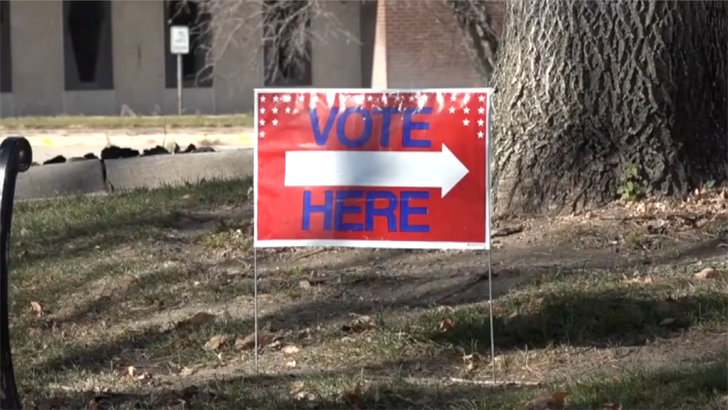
588, 319
43, 230
697, 386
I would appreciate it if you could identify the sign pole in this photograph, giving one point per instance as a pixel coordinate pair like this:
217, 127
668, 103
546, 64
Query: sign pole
490, 311
179, 44
179, 84
255, 304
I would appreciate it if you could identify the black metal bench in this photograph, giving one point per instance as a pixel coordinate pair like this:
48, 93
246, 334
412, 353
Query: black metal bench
15, 156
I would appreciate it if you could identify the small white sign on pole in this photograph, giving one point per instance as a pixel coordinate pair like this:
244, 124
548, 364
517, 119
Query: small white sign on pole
179, 43
179, 39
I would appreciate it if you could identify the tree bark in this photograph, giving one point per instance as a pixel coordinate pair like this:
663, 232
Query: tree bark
584, 88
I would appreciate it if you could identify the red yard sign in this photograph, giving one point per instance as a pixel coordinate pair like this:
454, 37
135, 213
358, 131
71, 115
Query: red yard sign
380, 169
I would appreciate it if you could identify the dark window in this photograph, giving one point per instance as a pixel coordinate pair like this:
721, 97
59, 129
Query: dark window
87, 44
286, 23
6, 76
196, 73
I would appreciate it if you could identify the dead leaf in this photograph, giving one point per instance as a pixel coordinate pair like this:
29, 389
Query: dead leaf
304, 284
215, 342
707, 273
264, 339
187, 371
447, 325
668, 321
198, 319
296, 387
246, 343
472, 361
555, 401
645, 280
131, 371
358, 325
37, 309
612, 406
291, 349
291, 364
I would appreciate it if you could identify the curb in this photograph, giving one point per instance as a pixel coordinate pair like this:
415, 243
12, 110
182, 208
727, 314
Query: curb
100, 177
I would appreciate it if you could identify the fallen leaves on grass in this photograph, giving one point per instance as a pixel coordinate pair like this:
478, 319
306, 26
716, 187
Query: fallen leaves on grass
37, 308
264, 339
472, 361
707, 273
642, 279
216, 342
555, 401
133, 373
196, 320
187, 371
298, 391
358, 324
447, 325
291, 349
291, 364
612, 406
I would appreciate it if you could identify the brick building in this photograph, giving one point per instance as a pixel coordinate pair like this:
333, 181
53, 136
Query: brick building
93, 57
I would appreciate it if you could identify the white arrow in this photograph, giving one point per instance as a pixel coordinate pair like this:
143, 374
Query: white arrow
404, 169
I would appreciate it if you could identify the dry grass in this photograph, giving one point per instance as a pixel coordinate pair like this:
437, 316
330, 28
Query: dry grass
118, 122
117, 277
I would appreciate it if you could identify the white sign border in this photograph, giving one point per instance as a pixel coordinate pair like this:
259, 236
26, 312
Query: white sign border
388, 244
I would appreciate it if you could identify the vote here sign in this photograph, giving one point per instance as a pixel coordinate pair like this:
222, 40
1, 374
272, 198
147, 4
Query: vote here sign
391, 169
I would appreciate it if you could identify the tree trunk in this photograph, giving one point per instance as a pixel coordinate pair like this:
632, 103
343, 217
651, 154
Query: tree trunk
584, 88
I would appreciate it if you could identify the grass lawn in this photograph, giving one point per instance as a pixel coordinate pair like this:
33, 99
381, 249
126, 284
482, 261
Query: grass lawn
145, 300
113, 122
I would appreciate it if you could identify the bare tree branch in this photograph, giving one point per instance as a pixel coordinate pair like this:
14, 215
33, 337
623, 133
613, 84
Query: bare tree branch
280, 30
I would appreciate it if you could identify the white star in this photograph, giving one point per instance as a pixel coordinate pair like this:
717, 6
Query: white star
295, 111
369, 98
466, 122
424, 97
288, 110
286, 98
454, 97
262, 98
262, 134
452, 110
481, 98
481, 122
412, 97
480, 134
301, 97
262, 122
262, 110
275, 122
383, 98
481, 110
275, 110
398, 97
275, 98
466, 110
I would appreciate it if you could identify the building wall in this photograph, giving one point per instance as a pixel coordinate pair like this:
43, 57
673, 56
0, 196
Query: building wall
138, 66
425, 48
390, 44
